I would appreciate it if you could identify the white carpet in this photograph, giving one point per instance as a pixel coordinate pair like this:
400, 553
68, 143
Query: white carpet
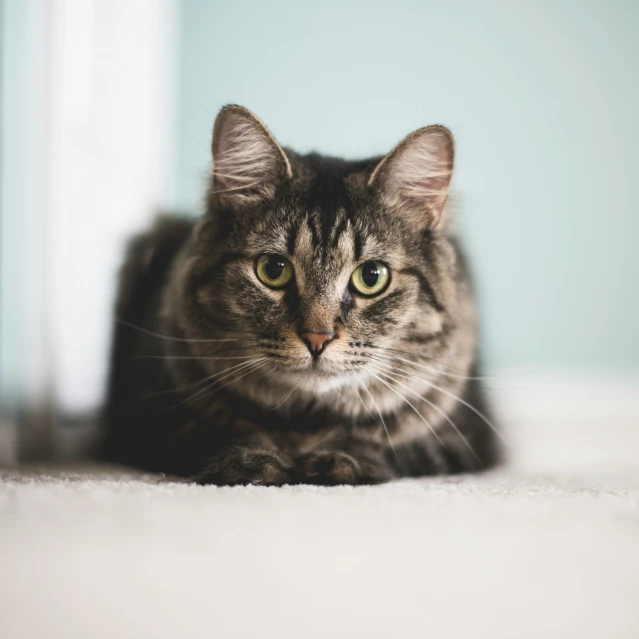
546, 548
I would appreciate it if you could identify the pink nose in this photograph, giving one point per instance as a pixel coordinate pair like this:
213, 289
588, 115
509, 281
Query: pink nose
315, 342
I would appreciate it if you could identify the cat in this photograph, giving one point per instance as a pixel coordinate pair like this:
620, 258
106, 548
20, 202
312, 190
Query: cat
316, 325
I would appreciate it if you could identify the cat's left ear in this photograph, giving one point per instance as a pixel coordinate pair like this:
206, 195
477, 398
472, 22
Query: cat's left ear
247, 160
413, 179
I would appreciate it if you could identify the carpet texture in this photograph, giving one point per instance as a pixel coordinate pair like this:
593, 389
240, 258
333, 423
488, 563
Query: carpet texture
547, 548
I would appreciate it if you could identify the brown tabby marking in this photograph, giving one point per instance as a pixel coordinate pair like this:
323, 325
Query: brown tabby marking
315, 374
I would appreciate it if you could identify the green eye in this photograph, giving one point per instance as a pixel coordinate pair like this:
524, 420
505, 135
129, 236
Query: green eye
273, 270
370, 278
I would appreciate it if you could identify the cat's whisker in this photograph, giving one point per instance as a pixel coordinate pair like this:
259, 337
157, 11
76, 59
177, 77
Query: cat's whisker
391, 351
435, 373
477, 412
287, 395
169, 337
244, 374
437, 437
361, 401
197, 382
268, 372
380, 417
437, 408
382, 358
257, 367
194, 357
256, 346
392, 354
438, 371
244, 368
215, 351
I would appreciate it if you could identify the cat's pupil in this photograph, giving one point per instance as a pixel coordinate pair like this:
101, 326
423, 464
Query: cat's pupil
274, 266
370, 274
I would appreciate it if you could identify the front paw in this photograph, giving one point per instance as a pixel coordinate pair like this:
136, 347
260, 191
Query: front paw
329, 468
241, 466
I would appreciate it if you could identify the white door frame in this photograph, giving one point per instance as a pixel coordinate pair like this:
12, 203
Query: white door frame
88, 106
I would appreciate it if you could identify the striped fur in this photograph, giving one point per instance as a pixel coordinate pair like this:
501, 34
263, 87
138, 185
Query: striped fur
210, 378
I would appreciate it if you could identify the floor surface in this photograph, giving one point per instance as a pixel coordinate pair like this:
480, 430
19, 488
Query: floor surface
547, 547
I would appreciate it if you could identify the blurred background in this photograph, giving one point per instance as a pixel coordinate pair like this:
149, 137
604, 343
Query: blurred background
107, 108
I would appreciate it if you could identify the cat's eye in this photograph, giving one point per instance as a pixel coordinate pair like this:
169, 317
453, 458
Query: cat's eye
370, 278
273, 270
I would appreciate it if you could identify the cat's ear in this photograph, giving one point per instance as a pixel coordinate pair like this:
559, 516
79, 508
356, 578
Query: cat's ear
413, 178
247, 161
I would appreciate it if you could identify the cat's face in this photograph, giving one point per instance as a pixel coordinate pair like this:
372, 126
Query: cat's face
320, 266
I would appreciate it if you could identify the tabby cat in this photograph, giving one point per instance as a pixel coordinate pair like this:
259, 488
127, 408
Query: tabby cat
314, 326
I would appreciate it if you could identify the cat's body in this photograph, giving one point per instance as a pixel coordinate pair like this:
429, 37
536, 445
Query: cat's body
315, 326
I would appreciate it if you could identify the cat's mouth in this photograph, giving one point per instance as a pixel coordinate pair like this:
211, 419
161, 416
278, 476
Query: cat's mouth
317, 379
320, 370
316, 363
315, 368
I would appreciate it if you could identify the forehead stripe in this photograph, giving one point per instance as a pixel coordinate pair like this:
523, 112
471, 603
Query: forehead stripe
337, 233
291, 240
358, 245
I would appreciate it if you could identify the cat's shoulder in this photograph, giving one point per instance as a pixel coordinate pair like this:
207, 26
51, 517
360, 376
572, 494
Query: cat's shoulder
149, 254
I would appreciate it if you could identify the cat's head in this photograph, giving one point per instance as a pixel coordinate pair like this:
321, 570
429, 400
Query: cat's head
320, 265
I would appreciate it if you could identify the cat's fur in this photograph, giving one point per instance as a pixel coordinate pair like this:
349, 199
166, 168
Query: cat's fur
210, 377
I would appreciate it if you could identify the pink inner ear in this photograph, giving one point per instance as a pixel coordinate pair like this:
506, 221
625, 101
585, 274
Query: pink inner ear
418, 174
245, 158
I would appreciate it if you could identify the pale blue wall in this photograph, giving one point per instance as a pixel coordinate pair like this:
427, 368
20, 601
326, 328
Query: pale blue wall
543, 98
13, 226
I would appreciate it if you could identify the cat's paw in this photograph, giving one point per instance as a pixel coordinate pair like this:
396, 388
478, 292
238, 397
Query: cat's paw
241, 466
329, 468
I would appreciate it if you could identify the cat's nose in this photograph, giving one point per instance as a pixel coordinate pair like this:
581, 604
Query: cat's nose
316, 342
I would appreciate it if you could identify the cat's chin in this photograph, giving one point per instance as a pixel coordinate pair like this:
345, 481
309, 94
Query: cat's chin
319, 381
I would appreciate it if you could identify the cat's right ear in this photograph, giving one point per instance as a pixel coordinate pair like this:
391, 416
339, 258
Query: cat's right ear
413, 179
247, 160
